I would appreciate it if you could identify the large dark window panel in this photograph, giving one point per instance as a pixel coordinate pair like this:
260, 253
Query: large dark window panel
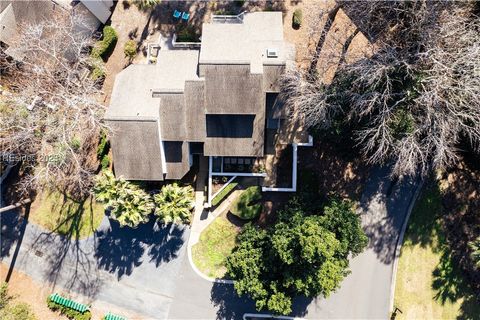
173, 151
230, 125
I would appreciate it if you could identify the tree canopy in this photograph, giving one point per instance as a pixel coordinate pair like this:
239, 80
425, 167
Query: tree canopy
174, 203
128, 204
303, 253
415, 99
50, 113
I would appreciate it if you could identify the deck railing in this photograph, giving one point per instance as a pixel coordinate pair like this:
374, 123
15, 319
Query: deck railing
219, 18
176, 44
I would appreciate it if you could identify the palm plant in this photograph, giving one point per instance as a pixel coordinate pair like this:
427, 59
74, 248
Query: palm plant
475, 255
128, 204
174, 204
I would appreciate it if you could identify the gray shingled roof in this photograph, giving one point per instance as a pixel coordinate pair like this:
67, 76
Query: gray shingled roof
136, 91
233, 80
136, 149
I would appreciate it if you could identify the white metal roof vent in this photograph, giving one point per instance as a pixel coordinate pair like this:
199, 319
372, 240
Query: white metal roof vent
272, 53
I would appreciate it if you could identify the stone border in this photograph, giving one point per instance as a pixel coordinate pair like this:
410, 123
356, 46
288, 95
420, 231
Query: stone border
398, 247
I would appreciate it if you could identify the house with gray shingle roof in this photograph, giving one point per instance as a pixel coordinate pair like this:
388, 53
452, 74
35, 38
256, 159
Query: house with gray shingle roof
14, 15
219, 101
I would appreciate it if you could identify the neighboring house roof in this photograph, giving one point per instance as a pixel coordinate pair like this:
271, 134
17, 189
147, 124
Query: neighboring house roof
216, 95
16, 14
8, 24
99, 8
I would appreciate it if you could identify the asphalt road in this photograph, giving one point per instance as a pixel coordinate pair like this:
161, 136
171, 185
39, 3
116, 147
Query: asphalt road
146, 270
135, 269
364, 294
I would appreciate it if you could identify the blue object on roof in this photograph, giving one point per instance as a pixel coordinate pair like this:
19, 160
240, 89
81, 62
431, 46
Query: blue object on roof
185, 16
177, 14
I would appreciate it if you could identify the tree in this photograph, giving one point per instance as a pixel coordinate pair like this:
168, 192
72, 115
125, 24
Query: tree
302, 254
128, 204
416, 98
50, 113
475, 254
174, 204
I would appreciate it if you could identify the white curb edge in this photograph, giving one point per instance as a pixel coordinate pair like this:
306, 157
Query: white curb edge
398, 247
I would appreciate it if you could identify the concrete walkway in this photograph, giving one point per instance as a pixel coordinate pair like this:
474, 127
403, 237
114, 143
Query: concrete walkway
200, 214
204, 217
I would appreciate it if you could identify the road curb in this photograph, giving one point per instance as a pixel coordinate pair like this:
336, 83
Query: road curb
400, 242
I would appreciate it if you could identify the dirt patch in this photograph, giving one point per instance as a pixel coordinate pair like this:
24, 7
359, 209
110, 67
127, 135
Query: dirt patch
272, 202
35, 294
325, 170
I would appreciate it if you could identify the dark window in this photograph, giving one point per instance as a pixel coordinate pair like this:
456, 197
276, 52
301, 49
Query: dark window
173, 151
196, 147
230, 125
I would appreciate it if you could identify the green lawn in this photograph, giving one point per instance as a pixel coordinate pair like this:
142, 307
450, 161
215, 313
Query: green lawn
60, 213
428, 285
216, 243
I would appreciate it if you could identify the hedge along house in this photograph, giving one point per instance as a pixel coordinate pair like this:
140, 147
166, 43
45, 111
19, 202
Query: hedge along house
219, 101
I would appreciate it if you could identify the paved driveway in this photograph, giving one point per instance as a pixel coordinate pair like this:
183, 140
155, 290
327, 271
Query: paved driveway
146, 270
364, 294
135, 269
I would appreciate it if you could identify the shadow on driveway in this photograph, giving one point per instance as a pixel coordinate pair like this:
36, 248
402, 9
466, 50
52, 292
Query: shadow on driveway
121, 249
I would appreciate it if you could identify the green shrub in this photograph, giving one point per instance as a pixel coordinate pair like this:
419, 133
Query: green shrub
297, 19
146, 4
402, 123
105, 162
20, 311
187, 34
75, 143
103, 145
103, 48
130, 49
69, 313
224, 193
246, 206
98, 69
4, 296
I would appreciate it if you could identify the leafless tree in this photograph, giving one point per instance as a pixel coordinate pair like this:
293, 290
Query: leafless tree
50, 115
416, 97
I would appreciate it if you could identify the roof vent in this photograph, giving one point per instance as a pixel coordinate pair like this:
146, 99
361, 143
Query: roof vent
272, 53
